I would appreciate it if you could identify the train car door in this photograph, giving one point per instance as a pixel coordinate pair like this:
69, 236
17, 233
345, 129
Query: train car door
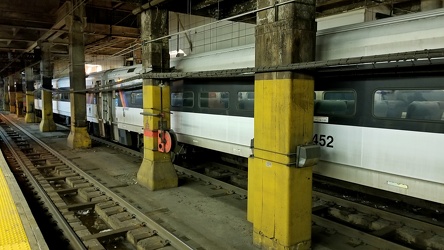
101, 110
114, 115
55, 103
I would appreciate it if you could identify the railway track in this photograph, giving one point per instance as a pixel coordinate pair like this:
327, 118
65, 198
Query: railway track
364, 224
74, 199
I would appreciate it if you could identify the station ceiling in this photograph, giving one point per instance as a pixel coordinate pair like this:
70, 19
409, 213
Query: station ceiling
112, 26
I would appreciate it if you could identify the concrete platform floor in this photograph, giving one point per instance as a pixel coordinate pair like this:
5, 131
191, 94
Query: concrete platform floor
201, 212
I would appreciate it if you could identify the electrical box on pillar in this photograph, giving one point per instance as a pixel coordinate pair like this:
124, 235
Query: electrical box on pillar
307, 155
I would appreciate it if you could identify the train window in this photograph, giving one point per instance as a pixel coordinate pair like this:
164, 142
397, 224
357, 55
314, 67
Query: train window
245, 101
339, 95
182, 99
90, 98
64, 94
418, 104
214, 100
133, 98
117, 99
335, 103
55, 96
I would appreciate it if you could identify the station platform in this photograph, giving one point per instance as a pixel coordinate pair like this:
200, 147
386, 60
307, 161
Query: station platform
18, 228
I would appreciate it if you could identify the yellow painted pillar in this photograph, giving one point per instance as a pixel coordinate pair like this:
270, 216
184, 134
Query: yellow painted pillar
5, 94
156, 171
12, 101
78, 136
19, 103
47, 124
279, 190
19, 96
30, 116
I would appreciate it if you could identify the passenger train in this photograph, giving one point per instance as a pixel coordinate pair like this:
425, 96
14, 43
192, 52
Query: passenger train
382, 131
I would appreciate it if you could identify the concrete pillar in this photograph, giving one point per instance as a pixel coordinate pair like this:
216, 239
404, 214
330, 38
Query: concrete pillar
47, 124
78, 137
156, 171
19, 97
2, 94
11, 91
431, 4
30, 112
6, 93
279, 193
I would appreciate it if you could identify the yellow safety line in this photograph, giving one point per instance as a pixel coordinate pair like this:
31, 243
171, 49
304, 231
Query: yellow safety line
12, 232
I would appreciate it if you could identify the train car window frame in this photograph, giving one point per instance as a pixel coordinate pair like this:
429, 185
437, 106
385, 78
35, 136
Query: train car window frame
64, 94
405, 104
217, 102
38, 94
335, 107
179, 99
133, 97
249, 104
136, 99
91, 98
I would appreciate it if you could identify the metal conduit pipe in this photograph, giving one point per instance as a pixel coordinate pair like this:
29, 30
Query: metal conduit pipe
405, 59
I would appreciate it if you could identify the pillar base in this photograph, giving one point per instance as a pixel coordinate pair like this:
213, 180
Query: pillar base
263, 242
19, 104
12, 109
156, 175
47, 125
19, 113
279, 204
31, 118
251, 190
79, 138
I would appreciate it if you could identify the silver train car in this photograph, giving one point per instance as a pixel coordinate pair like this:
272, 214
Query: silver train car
378, 131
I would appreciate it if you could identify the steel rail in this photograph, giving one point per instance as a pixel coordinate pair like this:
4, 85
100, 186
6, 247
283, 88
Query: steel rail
68, 232
367, 238
213, 181
161, 231
351, 232
381, 213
